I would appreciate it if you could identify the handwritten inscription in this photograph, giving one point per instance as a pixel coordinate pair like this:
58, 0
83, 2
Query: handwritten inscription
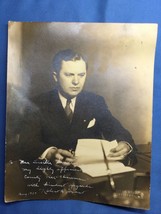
41, 178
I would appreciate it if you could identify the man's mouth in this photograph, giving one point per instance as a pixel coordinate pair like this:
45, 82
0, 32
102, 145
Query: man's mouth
74, 88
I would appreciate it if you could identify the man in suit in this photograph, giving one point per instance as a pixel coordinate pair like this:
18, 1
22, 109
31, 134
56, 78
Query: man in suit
67, 113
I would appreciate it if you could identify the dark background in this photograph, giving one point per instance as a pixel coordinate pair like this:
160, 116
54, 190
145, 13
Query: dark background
81, 11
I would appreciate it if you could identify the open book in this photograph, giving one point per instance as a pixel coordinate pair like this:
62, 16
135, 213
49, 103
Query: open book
90, 158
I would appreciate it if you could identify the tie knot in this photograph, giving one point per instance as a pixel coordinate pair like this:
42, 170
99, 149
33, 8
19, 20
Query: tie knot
68, 101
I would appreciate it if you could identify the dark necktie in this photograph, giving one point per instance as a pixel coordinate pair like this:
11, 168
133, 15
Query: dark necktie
68, 110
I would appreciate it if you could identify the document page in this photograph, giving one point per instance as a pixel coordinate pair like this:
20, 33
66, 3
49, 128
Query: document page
91, 160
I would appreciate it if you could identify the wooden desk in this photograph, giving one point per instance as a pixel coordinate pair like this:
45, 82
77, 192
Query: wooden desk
144, 158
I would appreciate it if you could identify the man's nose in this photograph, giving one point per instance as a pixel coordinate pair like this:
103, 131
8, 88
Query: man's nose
75, 80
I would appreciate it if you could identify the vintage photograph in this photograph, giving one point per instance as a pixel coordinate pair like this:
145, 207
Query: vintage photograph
79, 112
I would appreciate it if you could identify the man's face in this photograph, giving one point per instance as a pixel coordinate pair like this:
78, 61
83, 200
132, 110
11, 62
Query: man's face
71, 77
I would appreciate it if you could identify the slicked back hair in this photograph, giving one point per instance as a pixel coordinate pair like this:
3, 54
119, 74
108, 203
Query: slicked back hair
65, 55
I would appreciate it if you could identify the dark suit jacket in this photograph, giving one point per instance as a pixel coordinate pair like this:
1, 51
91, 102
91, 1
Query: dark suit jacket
46, 124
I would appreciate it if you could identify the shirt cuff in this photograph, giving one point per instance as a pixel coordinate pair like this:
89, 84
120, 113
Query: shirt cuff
131, 148
43, 156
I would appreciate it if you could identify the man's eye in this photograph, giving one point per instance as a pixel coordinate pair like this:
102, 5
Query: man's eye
82, 74
68, 75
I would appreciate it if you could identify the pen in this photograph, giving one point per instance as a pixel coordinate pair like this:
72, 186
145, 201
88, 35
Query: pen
72, 152
112, 183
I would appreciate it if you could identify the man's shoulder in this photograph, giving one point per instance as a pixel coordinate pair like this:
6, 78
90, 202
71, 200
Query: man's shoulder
91, 99
86, 95
44, 100
37, 102
44, 97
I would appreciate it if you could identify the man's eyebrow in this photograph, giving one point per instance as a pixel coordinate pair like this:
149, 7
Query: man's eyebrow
66, 72
81, 73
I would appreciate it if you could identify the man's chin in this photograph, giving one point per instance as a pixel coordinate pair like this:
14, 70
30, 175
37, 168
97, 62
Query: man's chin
73, 94
70, 93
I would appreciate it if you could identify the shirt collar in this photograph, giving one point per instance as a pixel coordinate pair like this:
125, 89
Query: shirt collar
64, 101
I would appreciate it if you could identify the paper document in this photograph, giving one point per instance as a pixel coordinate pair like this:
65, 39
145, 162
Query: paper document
91, 160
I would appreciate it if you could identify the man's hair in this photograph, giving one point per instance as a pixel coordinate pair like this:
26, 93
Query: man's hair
65, 55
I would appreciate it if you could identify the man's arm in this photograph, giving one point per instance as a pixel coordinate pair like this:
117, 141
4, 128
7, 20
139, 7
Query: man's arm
113, 130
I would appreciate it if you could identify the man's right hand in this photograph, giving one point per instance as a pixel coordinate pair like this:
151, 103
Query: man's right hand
60, 157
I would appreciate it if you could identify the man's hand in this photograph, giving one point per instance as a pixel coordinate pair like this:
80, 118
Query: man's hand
60, 157
119, 152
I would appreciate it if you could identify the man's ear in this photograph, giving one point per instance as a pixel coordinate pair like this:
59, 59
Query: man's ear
55, 76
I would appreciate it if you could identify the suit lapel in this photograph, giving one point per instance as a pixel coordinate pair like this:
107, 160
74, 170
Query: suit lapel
58, 115
55, 105
80, 112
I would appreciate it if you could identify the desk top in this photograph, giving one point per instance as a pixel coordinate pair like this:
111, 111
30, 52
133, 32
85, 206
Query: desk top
32, 182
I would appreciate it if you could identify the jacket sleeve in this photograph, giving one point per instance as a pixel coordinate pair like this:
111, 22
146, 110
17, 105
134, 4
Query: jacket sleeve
112, 129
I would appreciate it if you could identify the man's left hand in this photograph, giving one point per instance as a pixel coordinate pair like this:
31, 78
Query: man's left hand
119, 152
